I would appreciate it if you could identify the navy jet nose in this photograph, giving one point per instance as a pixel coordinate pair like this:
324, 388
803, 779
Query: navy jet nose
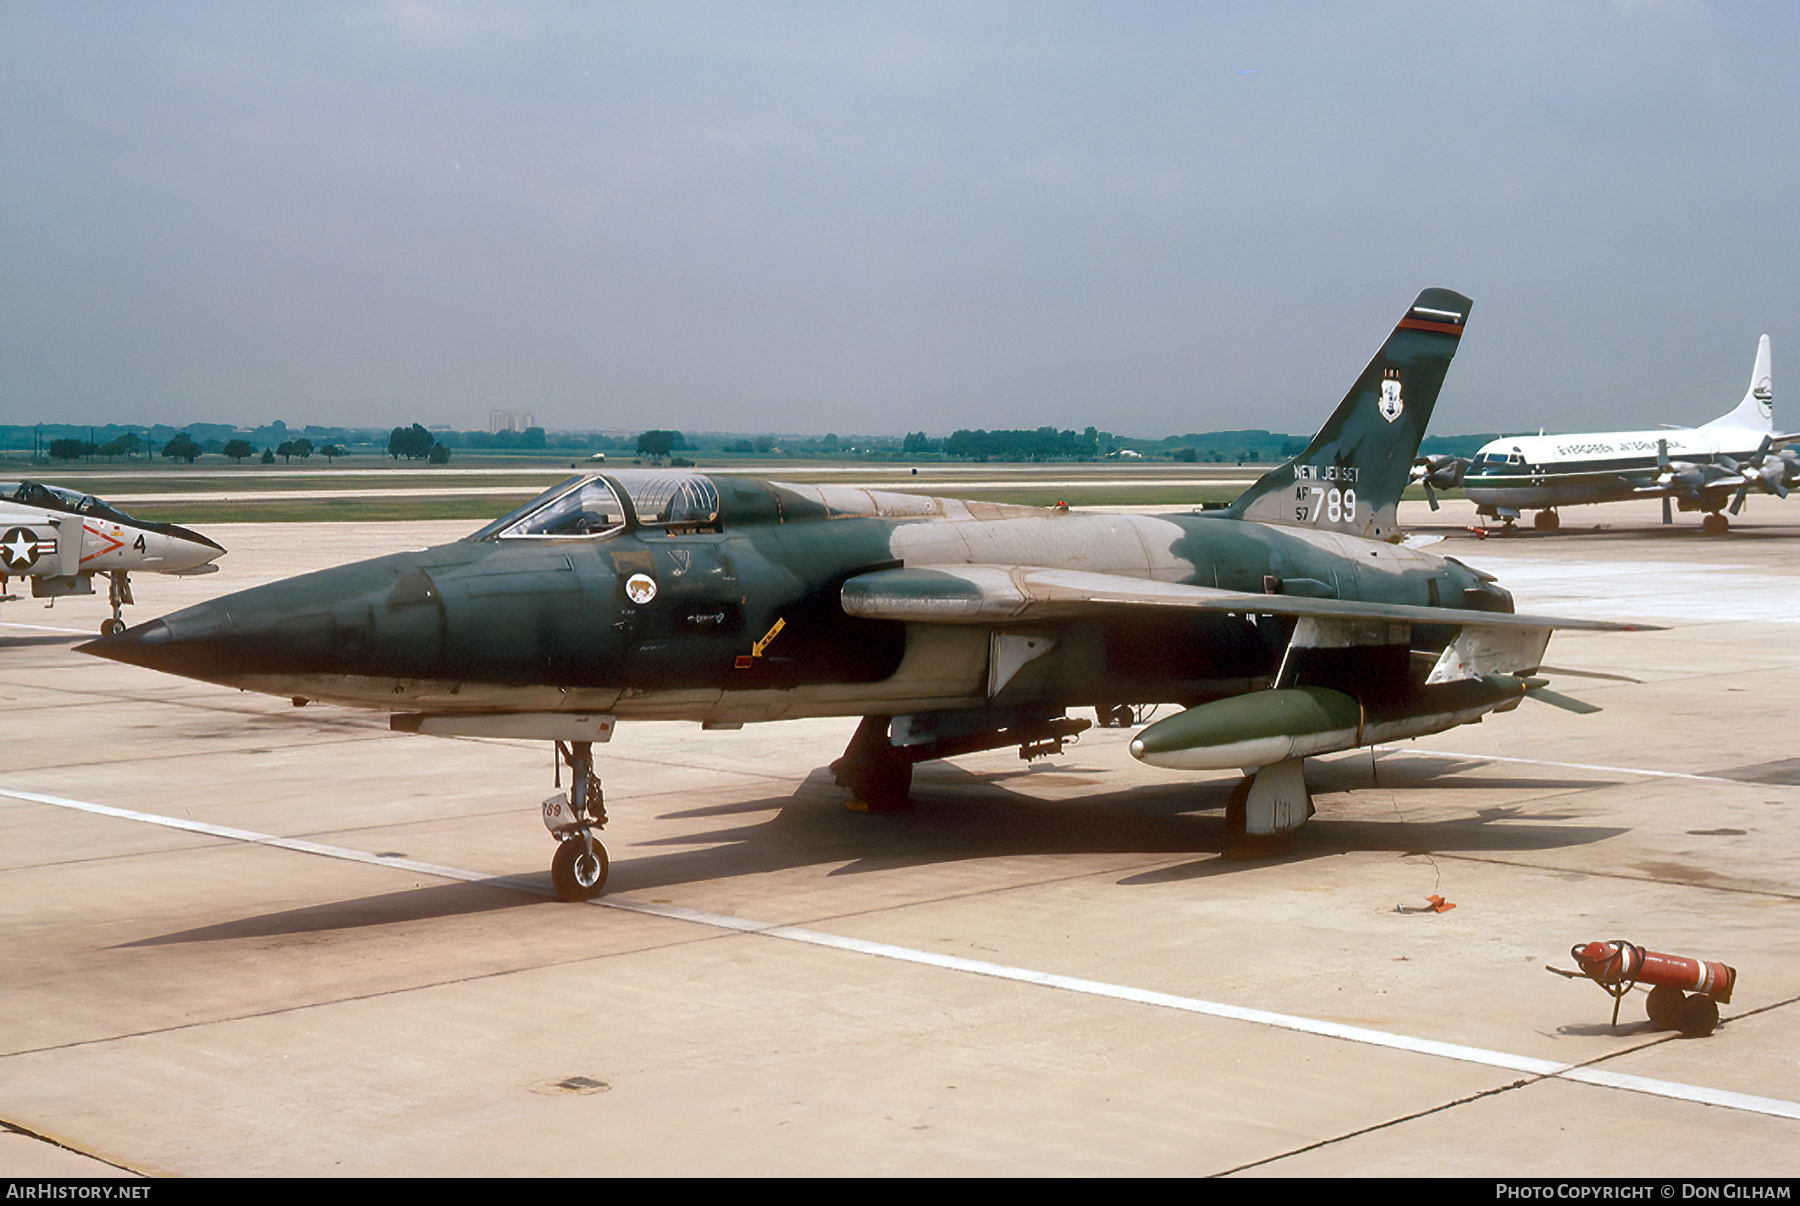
187, 550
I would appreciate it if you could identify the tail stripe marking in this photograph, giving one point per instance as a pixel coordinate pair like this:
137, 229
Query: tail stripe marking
1419, 324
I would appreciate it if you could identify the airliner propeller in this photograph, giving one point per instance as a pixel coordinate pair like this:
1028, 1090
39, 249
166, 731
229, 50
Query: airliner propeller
1689, 477
1771, 470
1439, 473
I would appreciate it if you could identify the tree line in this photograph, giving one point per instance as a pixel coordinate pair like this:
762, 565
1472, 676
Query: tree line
416, 443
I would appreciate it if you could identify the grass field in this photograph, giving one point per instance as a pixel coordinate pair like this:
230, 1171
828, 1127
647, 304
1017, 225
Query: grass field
350, 509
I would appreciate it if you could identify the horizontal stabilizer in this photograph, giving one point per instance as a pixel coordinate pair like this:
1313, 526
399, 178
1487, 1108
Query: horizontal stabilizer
1617, 678
1538, 689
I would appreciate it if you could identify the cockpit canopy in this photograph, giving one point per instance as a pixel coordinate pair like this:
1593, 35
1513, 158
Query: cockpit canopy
55, 498
592, 505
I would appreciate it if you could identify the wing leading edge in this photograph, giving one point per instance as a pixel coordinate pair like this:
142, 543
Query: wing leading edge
999, 594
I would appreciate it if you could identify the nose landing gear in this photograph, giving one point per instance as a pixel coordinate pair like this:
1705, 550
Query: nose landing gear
580, 866
118, 594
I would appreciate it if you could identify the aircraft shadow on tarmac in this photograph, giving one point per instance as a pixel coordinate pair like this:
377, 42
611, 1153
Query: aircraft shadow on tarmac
388, 908
19, 642
958, 815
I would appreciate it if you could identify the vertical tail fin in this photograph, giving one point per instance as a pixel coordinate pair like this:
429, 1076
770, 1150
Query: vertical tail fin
1351, 476
1757, 410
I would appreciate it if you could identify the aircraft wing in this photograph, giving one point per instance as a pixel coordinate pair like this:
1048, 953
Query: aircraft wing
1001, 594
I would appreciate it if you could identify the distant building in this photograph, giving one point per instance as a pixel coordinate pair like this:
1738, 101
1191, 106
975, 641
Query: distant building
510, 420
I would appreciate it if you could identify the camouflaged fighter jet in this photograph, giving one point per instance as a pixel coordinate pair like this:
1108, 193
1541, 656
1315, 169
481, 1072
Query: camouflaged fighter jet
61, 539
1287, 625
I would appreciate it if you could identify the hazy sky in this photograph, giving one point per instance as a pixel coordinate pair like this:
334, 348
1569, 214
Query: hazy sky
873, 218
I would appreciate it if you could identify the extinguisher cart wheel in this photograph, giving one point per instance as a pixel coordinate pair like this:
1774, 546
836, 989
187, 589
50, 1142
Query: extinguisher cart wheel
1699, 1017
1666, 1006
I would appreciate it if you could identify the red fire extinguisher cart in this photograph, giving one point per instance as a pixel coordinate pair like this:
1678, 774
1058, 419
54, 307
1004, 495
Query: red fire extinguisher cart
1685, 994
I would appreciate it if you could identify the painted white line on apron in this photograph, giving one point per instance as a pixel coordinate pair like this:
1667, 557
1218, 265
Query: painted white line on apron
1610, 770
47, 628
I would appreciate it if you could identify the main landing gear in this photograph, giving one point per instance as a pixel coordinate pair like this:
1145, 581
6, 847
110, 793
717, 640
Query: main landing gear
118, 594
580, 866
1269, 803
878, 775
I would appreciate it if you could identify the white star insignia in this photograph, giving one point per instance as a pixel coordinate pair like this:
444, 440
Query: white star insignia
21, 549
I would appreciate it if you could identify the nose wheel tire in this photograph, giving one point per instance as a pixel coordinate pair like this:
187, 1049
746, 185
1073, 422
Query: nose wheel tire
578, 871
112, 627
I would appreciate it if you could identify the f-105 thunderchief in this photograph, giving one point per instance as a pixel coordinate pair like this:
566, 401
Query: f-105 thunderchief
1289, 624
61, 540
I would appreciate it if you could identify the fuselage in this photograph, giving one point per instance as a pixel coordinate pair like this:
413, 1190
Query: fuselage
718, 600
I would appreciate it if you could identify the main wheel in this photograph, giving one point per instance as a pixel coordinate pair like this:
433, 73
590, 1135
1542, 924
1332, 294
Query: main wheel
112, 627
878, 776
1240, 844
577, 872
1115, 716
883, 787
1547, 521
1715, 524
1237, 812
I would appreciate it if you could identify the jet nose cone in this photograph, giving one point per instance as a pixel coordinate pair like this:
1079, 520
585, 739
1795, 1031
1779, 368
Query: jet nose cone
196, 642
140, 645
197, 538
189, 550
379, 618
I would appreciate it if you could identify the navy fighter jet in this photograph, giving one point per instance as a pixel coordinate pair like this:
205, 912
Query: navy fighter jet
1287, 625
61, 539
